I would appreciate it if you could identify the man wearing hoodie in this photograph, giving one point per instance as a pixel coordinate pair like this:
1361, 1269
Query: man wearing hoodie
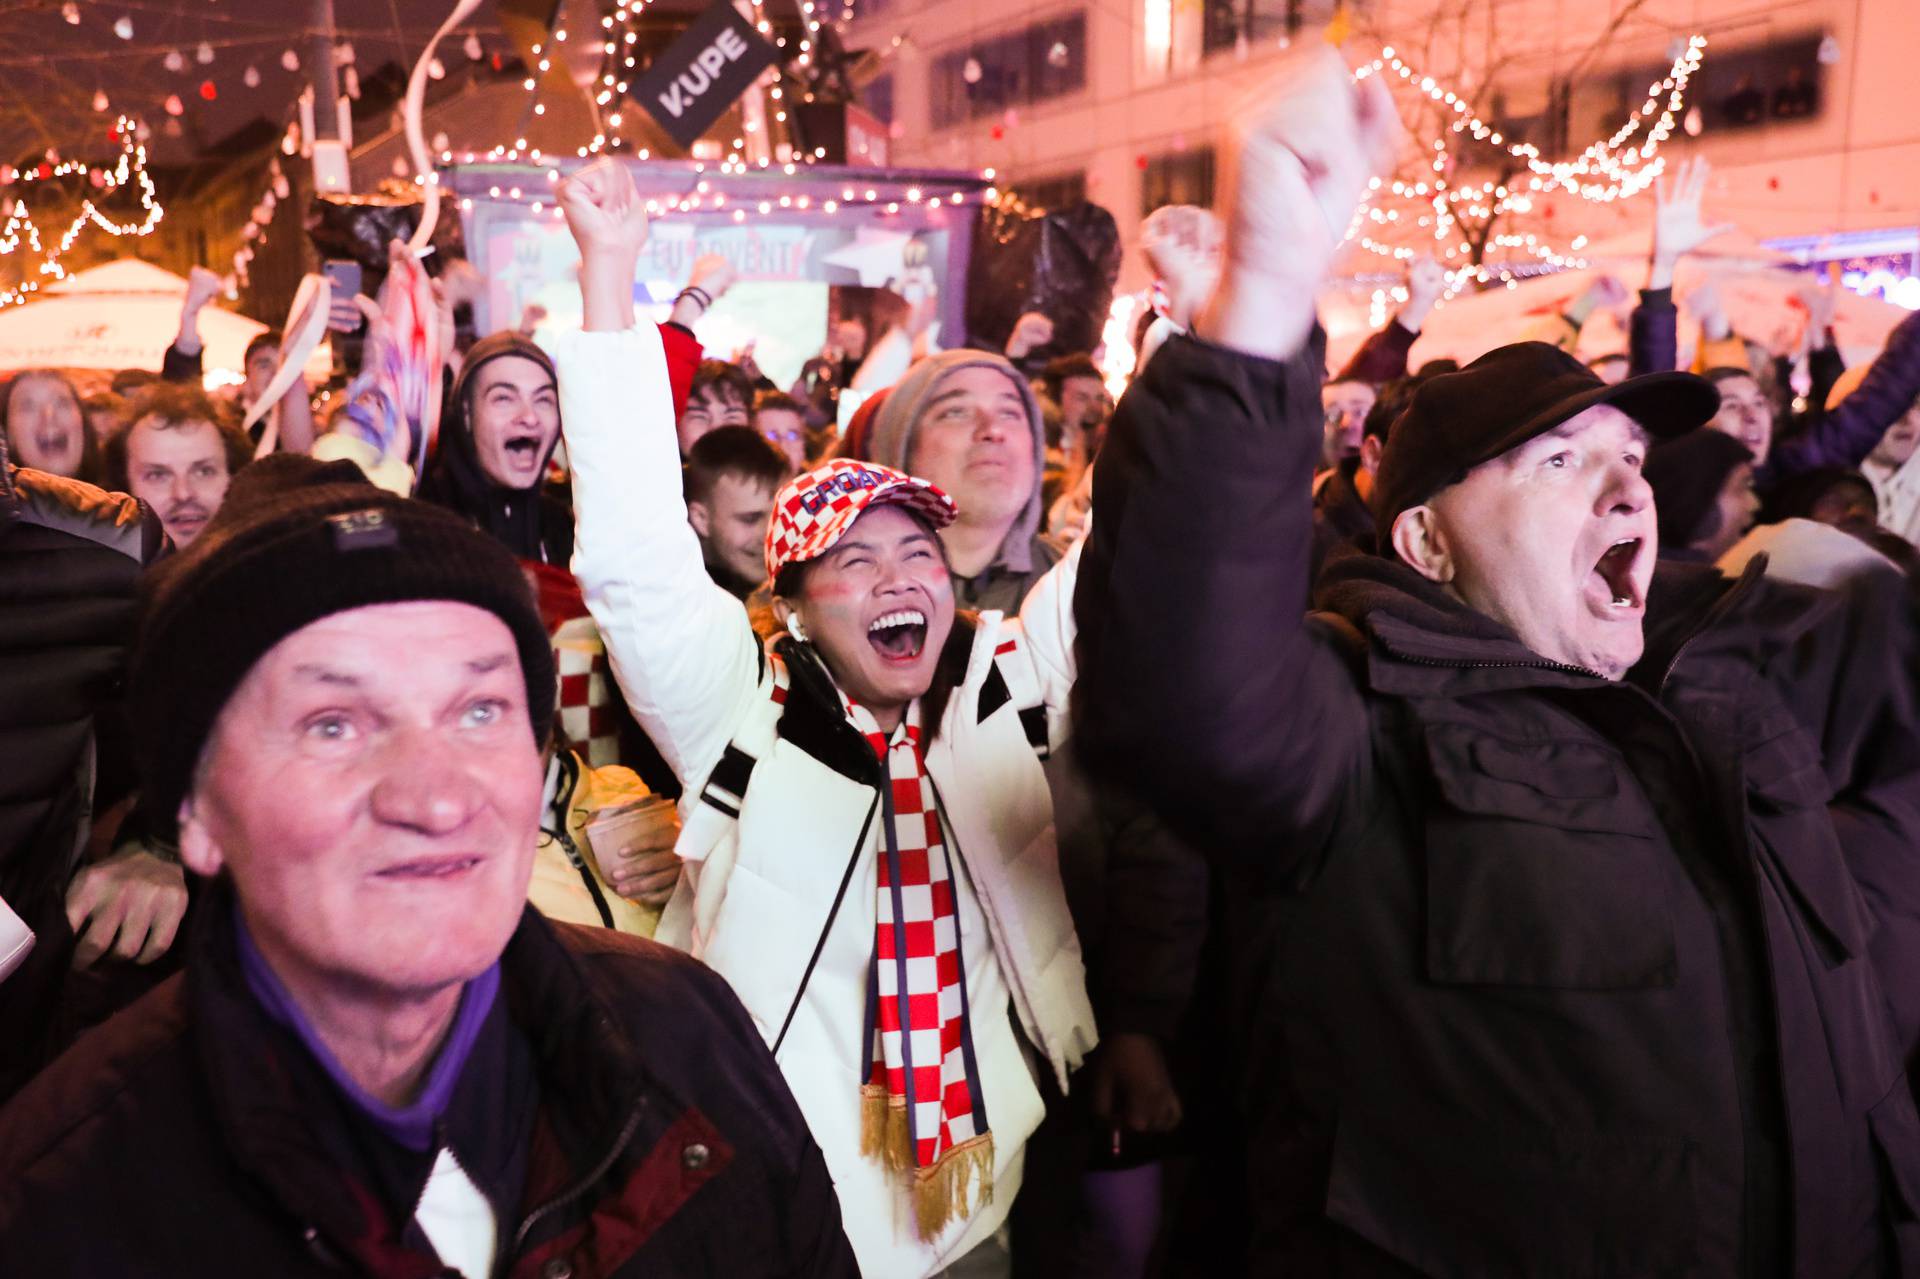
501, 426
969, 423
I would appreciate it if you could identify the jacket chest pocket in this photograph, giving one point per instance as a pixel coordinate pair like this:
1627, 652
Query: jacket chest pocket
1542, 869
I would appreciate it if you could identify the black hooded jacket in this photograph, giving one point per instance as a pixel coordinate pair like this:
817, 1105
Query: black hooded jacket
1555, 974
533, 523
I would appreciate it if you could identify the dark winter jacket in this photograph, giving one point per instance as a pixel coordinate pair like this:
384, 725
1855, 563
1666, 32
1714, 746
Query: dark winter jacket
70, 561
1653, 334
533, 523
1561, 975
1382, 357
1340, 516
193, 1135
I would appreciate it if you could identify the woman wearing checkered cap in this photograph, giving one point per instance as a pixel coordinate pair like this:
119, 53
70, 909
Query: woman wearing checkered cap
867, 831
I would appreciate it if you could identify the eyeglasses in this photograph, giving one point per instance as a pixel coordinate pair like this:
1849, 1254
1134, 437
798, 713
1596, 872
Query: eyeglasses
777, 436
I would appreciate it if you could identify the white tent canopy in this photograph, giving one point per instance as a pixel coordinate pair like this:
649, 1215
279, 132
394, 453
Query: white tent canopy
122, 315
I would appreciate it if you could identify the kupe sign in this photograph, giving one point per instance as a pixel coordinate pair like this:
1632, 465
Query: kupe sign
700, 75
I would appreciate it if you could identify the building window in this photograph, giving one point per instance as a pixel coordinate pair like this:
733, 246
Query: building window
1044, 61
1184, 177
1059, 191
1229, 22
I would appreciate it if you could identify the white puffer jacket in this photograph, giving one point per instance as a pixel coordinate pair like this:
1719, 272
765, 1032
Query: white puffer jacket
781, 793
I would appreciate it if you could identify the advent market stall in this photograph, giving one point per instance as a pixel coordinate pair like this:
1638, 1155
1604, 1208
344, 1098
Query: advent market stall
808, 243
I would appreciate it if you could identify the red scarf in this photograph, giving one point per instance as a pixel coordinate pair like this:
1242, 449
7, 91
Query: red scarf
922, 1111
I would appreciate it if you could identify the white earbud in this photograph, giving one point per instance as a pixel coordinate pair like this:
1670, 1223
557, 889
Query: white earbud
794, 628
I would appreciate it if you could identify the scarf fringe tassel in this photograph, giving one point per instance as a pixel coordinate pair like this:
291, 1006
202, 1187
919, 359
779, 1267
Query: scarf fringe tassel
958, 1182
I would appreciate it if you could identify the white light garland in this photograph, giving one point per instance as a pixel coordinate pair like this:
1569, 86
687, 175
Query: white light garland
19, 227
1607, 171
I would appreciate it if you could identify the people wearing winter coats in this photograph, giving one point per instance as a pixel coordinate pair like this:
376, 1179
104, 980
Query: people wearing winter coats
71, 559
1588, 887
380, 1059
866, 810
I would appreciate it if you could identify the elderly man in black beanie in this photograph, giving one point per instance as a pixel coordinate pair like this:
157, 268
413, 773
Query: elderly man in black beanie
1587, 891
380, 1059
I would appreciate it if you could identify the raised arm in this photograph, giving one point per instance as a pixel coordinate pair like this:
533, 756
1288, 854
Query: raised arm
1383, 356
182, 361
1851, 429
1201, 682
1678, 229
681, 647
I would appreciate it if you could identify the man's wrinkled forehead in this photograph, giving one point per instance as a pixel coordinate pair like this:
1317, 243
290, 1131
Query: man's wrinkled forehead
1577, 428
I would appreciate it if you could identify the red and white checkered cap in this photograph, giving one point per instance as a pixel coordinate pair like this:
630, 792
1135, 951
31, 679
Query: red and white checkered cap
816, 509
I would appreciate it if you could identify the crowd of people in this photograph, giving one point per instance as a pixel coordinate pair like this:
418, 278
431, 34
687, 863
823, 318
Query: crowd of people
1453, 820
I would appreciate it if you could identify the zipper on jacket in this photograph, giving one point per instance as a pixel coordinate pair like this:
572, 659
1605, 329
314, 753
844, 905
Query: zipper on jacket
585, 1183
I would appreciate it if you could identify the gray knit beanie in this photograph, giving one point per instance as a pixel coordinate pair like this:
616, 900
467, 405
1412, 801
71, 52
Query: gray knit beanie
891, 441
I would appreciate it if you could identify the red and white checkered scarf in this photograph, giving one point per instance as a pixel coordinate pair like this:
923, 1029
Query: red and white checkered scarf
922, 1111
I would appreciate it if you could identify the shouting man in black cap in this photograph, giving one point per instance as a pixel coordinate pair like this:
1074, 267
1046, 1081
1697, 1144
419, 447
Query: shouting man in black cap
1588, 891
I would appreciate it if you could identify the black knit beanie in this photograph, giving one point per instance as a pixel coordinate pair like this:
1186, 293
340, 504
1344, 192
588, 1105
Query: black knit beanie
297, 540
1687, 474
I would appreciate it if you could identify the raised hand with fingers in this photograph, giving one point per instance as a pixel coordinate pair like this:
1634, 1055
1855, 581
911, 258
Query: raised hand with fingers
1426, 283
203, 286
1297, 164
1678, 228
1031, 330
609, 224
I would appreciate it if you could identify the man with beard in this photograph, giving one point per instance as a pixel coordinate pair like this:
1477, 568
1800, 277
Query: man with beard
840, 772
498, 434
178, 457
1588, 892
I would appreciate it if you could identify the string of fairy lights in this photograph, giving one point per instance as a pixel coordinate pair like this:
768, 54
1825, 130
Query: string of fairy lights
20, 233
618, 39
1438, 217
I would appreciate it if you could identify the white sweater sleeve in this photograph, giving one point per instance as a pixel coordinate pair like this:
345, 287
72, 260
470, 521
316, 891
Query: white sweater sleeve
1047, 624
681, 647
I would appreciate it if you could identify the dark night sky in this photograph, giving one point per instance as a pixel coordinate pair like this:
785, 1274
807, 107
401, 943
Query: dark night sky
52, 69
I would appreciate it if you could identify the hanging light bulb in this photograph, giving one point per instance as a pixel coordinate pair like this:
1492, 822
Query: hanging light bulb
290, 60
204, 54
174, 61
173, 105
472, 47
123, 27
208, 91
100, 100
71, 12
1829, 52
436, 69
1059, 55
971, 71
251, 77
1693, 122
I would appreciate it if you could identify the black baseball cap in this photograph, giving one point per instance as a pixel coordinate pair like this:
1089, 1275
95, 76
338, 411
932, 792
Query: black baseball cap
1503, 399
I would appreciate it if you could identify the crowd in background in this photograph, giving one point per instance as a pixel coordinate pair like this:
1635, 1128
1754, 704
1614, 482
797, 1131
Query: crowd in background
884, 661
